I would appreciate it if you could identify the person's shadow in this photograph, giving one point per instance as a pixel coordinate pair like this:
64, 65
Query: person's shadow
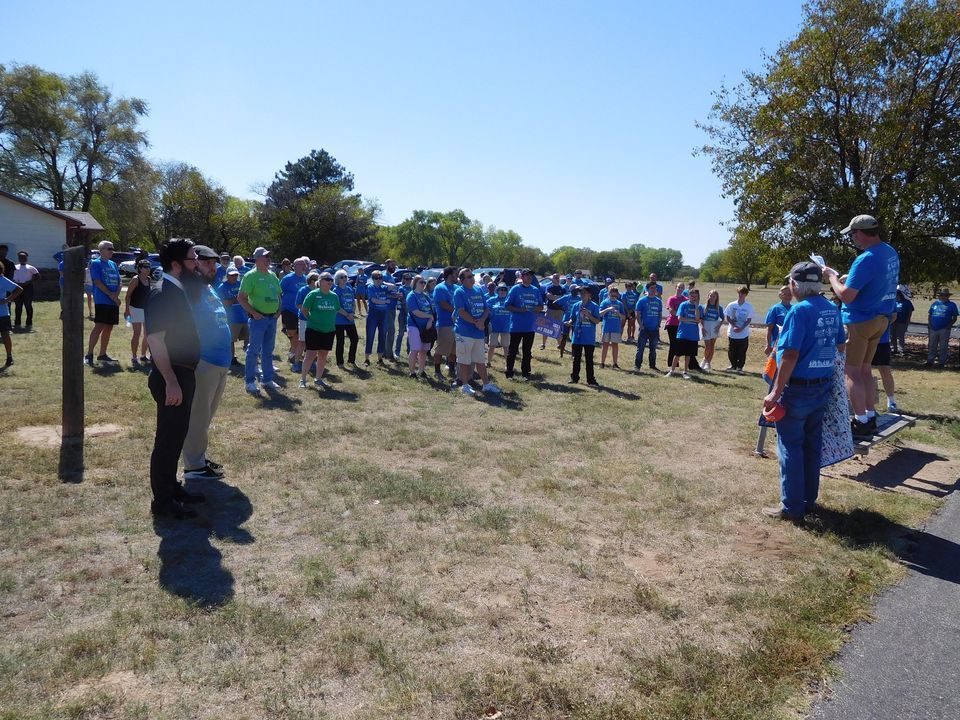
190, 566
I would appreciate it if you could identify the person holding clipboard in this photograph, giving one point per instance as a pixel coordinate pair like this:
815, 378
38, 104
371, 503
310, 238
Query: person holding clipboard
584, 318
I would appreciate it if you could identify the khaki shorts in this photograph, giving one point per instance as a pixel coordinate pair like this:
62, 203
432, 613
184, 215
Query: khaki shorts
610, 338
445, 341
863, 338
499, 339
470, 350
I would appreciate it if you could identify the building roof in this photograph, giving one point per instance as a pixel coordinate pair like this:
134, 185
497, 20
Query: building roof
83, 220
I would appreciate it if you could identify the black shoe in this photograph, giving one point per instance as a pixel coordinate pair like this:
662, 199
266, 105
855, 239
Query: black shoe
593, 382
861, 431
214, 465
173, 509
872, 424
508, 375
9, 361
189, 498
88, 360
571, 381
236, 363
637, 367
527, 376
655, 368
203, 473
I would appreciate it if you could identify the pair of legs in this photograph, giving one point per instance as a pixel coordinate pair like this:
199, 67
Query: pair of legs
631, 326
210, 381
898, 337
138, 341
106, 316
470, 357
737, 352
672, 337
647, 338
318, 346
614, 347
349, 331
417, 358
391, 332
799, 441
376, 326
938, 346
862, 341
24, 301
709, 348
263, 339
520, 340
585, 352
497, 340
173, 422
5, 336
398, 343
241, 332
88, 293
446, 345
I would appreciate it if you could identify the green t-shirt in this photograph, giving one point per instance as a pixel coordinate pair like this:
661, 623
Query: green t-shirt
263, 291
323, 308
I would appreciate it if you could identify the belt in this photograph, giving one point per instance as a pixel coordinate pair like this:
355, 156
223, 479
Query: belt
811, 381
266, 314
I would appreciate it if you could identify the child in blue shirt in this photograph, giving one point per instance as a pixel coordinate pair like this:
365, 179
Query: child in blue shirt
613, 314
584, 318
690, 314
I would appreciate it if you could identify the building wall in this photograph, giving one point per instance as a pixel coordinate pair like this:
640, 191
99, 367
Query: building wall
25, 228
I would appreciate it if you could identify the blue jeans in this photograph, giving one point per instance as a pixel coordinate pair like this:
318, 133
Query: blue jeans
263, 336
376, 323
799, 439
646, 338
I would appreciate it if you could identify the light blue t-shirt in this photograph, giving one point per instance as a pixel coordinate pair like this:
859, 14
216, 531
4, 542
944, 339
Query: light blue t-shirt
289, 285
377, 296
443, 292
7, 286
584, 332
420, 302
712, 313
473, 302
611, 321
942, 314
650, 312
775, 316
874, 274
235, 313
346, 296
216, 340
499, 315
528, 298
688, 330
301, 294
630, 298
813, 328
567, 302
106, 272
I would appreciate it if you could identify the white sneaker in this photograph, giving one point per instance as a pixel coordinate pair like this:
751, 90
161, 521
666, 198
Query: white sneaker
669, 373
892, 407
252, 388
270, 385
491, 388
302, 384
321, 383
467, 389
706, 367
686, 376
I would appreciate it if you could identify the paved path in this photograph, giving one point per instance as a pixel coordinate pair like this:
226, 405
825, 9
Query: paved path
906, 664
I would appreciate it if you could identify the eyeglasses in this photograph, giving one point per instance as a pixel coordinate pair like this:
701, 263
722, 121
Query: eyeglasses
327, 279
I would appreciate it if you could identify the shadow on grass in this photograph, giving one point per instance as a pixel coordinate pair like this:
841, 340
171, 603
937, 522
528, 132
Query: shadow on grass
920, 551
505, 400
277, 399
105, 370
190, 566
902, 466
557, 387
621, 394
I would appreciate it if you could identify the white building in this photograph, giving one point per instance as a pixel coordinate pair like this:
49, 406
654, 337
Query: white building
40, 231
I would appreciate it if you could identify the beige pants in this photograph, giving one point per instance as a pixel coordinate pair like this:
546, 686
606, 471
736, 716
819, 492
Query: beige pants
211, 381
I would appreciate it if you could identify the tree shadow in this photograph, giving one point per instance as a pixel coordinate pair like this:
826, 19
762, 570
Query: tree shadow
190, 566
919, 550
901, 467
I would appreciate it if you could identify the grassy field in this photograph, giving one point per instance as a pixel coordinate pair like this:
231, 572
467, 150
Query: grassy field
392, 549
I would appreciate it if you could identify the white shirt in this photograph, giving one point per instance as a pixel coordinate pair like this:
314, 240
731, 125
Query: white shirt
737, 314
24, 273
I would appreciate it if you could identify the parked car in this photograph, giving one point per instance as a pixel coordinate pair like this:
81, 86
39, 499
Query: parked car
346, 264
432, 273
128, 268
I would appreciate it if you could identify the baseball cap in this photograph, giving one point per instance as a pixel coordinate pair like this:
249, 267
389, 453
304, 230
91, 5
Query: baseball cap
861, 222
502, 286
205, 253
233, 271
944, 291
806, 271
260, 252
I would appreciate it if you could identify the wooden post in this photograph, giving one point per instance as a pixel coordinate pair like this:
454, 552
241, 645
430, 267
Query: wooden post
71, 442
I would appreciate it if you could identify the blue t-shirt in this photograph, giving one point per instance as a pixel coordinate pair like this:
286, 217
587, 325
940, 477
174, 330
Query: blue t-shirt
874, 274
611, 321
499, 315
813, 328
7, 286
567, 302
301, 294
473, 302
712, 313
775, 316
346, 296
630, 298
584, 332
220, 276
688, 330
106, 272
650, 312
904, 311
942, 314
216, 340
235, 313
360, 286
528, 298
377, 296
289, 285
60, 269
421, 302
443, 292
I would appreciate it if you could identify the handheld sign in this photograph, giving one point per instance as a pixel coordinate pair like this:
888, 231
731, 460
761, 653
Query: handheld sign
548, 327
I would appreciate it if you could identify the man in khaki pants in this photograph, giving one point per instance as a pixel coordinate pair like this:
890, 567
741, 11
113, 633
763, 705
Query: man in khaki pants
216, 353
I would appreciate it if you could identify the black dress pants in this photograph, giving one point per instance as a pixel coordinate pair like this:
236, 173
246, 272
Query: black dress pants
672, 333
587, 352
25, 301
737, 352
516, 338
173, 422
351, 332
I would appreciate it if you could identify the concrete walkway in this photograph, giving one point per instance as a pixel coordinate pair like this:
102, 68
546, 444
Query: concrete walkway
905, 665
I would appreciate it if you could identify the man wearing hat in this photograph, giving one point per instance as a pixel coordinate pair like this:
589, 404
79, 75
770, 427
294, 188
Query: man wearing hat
222, 269
228, 291
105, 278
941, 317
806, 351
260, 297
869, 297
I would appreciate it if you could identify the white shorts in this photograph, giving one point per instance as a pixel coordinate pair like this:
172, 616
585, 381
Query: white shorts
470, 350
711, 329
499, 339
610, 338
302, 330
413, 337
136, 314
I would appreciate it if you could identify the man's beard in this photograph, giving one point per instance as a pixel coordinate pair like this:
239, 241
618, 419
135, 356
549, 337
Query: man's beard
193, 285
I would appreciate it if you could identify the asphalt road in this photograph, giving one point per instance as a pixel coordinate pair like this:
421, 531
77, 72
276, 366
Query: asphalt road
906, 664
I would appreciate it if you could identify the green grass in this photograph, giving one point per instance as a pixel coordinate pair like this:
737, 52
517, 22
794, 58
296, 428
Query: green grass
403, 551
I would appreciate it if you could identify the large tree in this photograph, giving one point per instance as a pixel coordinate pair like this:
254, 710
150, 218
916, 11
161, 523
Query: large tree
62, 138
430, 237
859, 113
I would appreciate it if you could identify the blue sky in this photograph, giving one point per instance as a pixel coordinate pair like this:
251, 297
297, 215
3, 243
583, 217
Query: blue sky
569, 122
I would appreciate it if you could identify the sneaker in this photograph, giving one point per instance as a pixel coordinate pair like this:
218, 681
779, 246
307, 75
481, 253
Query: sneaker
321, 383
468, 390
740, 371
705, 367
730, 369
134, 362
270, 385
602, 366
615, 366
669, 373
686, 376
594, 383
655, 368
252, 388
367, 361
779, 512
296, 367
203, 473
302, 384
88, 360
527, 376
872, 424
892, 407
571, 381
422, 374
107, 359
215, 467
491, 388
144, 360
861, 431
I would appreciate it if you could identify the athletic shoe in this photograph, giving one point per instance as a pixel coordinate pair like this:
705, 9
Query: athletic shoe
872, 424
686, 376
302, 384
669, 373
740, 371
730, 369
861, 431
107, 359
594, 383
144, 360
602, 366
173, 509
422, 374
216, 468
780, 513
270, 385
296, 367
134, 362
571, 381
88, 360
491, 388
321, 383
203, 473
892, 407
252, 388
9, 361
468, 390
615, 366
706, 367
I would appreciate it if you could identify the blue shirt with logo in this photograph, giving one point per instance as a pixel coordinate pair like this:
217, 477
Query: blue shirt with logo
473, 302
499, 315
611, 321
301, 295
630, 298
775, 316
106, 272
443, 292
584, 332
528, 298
712, 313
874, 274
904, 311
688, 330
421, 302
346, 296
289, 285
812, 327
216, 340
235, 312
942, 314
567, 302
7, 286
650, 312
377, 296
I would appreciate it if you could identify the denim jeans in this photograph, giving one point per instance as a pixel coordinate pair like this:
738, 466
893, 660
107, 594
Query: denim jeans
647, 338
263, 336
376, 323
938, 345
799, 440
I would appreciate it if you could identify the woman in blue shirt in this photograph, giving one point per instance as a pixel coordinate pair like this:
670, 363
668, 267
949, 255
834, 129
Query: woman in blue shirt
690, 315
345, 324
613, 315
712, 320
904, 311
499, 323
419, 317
378, 306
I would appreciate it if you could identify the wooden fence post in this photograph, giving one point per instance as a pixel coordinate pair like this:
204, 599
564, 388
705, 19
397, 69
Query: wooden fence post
71, 442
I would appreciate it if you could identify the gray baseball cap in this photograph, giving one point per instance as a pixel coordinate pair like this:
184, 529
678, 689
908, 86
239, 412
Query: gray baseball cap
861, 222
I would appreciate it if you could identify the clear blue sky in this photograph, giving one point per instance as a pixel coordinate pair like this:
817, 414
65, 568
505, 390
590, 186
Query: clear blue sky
569, 122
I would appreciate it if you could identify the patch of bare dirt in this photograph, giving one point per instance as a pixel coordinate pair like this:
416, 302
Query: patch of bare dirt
124, 685
758, 542
48, 436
